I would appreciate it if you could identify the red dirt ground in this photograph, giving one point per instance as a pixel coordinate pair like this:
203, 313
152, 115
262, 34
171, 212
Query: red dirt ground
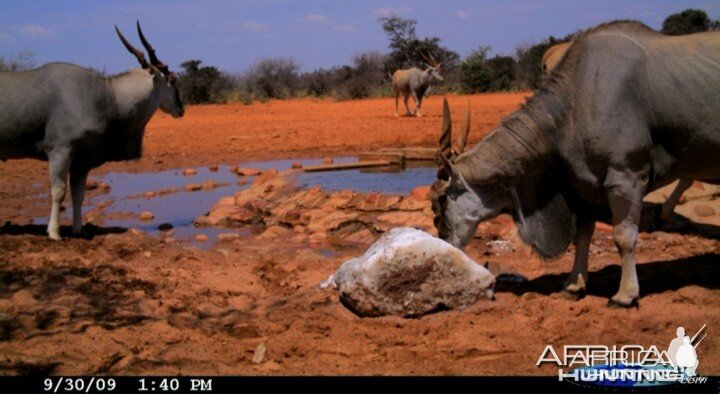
125, 303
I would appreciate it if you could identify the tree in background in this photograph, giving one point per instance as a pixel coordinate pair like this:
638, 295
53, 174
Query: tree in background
407, 50
366, 75
686, 22
503, 69
201, 84
273, 78
476, 75
529, 57
483, 74
21, 61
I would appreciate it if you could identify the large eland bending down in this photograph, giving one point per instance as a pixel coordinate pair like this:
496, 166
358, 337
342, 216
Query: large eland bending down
415, 82
550, 60
627, 111
77, 119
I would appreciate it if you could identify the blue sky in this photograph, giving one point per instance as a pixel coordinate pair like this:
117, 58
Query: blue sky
231, 35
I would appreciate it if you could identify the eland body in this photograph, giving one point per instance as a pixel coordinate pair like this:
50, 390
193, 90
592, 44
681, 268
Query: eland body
77, 119
415, 83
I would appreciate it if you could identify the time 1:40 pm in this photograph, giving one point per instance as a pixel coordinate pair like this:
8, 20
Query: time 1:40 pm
166, 384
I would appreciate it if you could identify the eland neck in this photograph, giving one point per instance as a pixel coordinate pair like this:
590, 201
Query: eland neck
134, 95
523, 143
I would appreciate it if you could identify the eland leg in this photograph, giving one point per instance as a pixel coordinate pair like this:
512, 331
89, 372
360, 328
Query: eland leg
574, 287
625, 200
59, 168
397, 100
669, 205
417, 101
77, 191
407, 107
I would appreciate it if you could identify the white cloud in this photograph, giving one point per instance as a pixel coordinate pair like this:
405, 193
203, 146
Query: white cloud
255, 26
344, 27
37, 31
388, 11
317, 18
462, 14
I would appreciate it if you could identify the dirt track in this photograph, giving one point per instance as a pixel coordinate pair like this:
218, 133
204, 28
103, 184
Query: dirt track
123, 303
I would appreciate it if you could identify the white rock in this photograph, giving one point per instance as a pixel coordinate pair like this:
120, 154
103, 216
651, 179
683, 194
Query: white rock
408, 272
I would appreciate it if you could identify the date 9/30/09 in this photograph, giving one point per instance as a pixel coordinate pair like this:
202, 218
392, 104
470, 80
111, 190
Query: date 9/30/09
109, 384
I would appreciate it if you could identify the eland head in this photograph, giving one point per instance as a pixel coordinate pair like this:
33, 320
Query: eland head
459, 206
165, 89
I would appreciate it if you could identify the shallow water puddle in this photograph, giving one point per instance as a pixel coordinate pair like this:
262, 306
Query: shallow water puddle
122, 205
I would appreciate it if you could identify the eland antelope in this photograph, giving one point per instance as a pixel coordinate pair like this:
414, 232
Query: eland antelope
77, 119
627, 111
415, 82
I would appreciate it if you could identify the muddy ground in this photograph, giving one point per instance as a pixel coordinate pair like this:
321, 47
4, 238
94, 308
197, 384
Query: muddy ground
120, 301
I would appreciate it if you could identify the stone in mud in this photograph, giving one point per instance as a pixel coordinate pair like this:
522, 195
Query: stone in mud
408, 272
147, 215
266, 176
703, 210
190, 172
247, 171
193, 187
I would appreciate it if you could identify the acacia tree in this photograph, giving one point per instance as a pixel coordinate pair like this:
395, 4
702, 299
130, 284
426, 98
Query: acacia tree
407, 50
686, 22
201, 84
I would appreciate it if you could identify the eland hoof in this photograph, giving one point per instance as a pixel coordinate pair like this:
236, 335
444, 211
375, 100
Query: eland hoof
573, 295
616, 304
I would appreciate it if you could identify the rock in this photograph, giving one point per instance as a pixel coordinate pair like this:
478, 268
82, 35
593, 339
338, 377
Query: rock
374, 202
328, 160
242, 181
227, 236
363, 236
165, 227
317, 238
420, 193
214, 168
296, 165
92, 184
266, 176
149, 194
136, 231
247, 171
147, 255
274, 232
322, 221
193, 187
408, 272
209, 185
190, 172
412, 204
339, 199
259, 354
201, 238
104, 187
703, 210
147, 215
